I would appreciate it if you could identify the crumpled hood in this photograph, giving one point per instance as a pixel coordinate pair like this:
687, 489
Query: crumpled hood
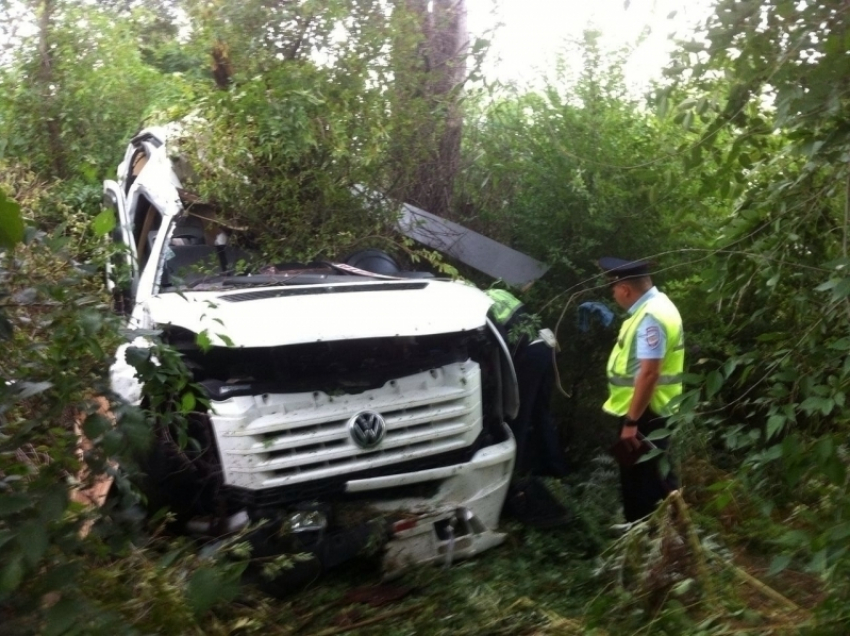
285, 315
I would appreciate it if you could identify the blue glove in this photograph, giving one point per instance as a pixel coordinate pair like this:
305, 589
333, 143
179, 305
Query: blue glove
588, 310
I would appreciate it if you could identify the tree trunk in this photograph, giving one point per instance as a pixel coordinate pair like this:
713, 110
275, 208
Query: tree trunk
47, 87
439, 83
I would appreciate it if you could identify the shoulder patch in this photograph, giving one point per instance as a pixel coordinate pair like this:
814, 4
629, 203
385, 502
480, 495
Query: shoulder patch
653, 336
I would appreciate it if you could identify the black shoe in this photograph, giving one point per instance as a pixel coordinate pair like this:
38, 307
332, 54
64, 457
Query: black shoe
530, 503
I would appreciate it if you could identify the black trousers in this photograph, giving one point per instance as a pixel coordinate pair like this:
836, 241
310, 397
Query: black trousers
641, 484
538, 446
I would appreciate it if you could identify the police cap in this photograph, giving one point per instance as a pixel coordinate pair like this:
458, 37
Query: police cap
620, 269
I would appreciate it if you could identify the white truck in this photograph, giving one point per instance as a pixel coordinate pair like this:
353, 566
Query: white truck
346, 407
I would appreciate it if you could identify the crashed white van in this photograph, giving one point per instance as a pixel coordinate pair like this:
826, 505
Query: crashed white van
347, 407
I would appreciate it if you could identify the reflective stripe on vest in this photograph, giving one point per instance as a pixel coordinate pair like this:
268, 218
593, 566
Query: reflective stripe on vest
621, 383
505, 305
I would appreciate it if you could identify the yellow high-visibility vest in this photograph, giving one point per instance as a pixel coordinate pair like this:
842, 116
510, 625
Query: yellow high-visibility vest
505, 305
621, 382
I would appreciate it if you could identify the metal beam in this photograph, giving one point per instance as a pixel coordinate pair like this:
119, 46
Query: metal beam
471, 248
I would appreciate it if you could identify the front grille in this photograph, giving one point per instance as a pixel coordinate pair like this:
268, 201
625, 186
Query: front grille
282, 440
333, 488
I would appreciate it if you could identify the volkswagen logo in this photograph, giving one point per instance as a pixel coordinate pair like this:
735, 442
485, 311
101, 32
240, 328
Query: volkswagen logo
367, 429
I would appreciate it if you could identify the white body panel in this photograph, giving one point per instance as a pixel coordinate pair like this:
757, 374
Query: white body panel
332, 313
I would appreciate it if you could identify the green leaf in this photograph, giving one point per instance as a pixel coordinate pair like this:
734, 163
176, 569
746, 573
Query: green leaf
812, 404
136, 356
91, 322
170, 557
772, 453
664, 466
724, 484
188, 402
207, 586
203, 589
12, 573
683, 587
840, 532
227, 340
693, 46
203, 341
827, 285
652, 454
841, 290
33, 541
53, 504
112, 442
824, 448
778, 564
104, 223
713, 383
775, 423
96, 425
62, 616
660, 433
842, 344
29, 389
59, 576
11, 223
10, 504
835, 470
818, 562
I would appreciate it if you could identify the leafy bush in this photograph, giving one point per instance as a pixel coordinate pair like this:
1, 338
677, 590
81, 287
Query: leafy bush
70, 563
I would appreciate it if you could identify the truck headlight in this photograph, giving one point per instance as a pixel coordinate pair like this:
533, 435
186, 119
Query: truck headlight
307, 521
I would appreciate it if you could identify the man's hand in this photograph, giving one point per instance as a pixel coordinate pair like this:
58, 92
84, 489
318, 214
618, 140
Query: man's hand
629, 432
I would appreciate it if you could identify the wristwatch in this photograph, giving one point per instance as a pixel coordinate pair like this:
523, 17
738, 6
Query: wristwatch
629, 422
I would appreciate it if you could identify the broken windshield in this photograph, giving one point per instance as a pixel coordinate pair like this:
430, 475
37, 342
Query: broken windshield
199, 255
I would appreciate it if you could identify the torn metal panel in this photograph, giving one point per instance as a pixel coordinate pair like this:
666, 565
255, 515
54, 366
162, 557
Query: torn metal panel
471, 248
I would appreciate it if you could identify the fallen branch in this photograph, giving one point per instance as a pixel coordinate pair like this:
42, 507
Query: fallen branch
764, 588
693, 542
693, 539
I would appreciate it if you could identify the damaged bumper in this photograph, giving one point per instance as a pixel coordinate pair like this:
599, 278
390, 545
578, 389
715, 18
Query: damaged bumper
460, 521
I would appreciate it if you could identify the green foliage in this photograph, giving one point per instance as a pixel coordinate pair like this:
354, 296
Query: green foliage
290, 147
580, 163
11, 224
774, 386
67, 566
66, 111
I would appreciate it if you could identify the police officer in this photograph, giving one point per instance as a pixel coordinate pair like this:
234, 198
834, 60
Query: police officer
538, 447
644, 375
